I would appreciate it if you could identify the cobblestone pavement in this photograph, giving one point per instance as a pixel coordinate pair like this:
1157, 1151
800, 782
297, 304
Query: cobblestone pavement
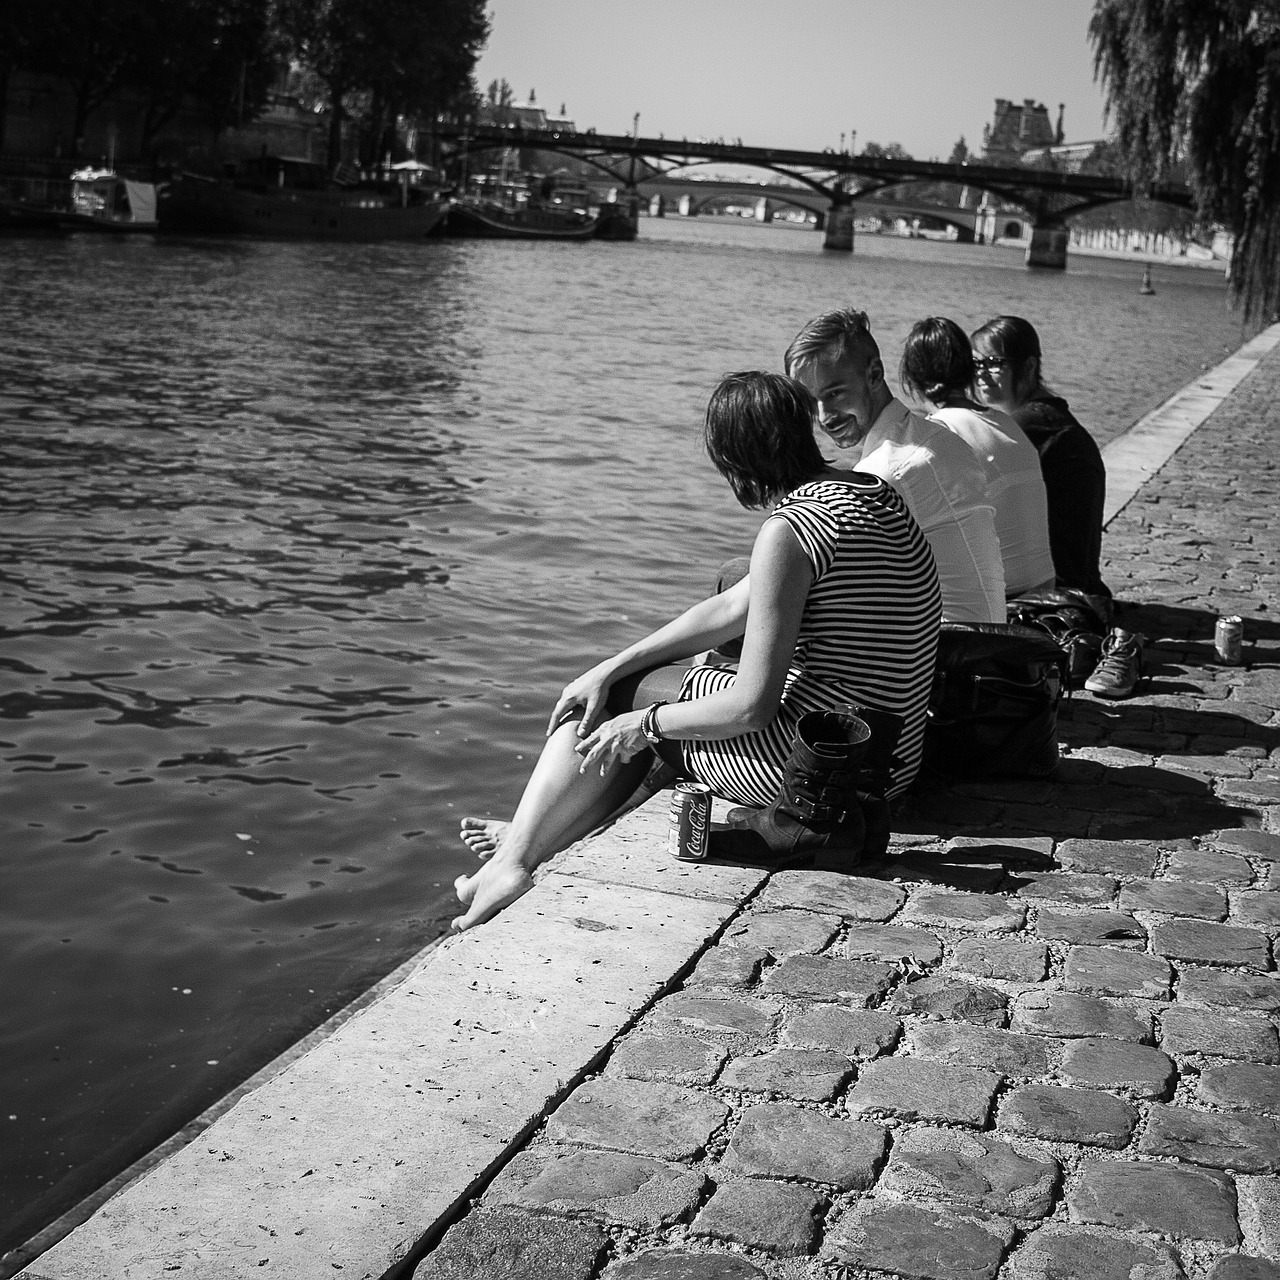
1040, 1043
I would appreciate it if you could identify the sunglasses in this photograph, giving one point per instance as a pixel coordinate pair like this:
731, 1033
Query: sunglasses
989, 364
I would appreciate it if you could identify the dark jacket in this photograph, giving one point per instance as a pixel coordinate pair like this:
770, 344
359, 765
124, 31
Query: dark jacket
1076, 479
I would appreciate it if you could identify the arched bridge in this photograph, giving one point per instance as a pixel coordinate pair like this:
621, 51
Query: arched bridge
839, 178
691, 195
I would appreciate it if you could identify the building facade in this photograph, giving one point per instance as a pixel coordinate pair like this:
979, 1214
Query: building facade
1017, 129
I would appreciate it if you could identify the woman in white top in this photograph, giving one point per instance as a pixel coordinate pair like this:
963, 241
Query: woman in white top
938, 370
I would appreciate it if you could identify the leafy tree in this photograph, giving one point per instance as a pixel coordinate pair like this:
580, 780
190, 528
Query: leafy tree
894, 151
418, 59
323, 35
21, 25
219, 52
1199, 81
382, 58
959, 153
499, 97
90, 44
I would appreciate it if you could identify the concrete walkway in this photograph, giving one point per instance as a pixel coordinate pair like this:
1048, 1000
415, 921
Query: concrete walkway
1041, 1043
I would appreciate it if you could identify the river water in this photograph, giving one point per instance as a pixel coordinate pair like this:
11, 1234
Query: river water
300, 541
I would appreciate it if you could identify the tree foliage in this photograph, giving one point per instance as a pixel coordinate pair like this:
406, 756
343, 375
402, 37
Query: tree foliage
373, 61
1198, 82
218, 54
379, 59
91, 47
222, 53
20, 32
894, 151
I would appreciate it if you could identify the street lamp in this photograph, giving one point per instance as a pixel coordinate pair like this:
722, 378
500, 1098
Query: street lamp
635, 125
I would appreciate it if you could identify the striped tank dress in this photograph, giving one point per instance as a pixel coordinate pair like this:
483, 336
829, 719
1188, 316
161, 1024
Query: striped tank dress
869, 635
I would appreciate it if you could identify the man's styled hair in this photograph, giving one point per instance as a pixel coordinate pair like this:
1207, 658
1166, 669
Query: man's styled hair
759, 434
847, 330
937, 360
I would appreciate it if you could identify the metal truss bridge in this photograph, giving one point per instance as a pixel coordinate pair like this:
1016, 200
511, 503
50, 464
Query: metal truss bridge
1048, 198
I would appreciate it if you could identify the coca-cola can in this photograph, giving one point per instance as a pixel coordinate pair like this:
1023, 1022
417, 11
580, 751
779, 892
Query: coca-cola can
689, 837
1228, 640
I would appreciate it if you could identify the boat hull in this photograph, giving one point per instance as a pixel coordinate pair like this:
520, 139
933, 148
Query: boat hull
104, 226
499, 224
19, 218
615, 223
195, 206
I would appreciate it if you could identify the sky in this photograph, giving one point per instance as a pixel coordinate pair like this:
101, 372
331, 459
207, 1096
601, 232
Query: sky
798, 74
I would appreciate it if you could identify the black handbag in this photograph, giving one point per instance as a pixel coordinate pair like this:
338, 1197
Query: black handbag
993, 709
1089, 612
1076, 621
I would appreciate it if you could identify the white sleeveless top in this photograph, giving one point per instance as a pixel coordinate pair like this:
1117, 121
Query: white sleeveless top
1015, 486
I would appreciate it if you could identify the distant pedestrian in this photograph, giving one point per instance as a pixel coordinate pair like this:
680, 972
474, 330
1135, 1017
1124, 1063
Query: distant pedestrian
937, 474
1007, 359
937, 369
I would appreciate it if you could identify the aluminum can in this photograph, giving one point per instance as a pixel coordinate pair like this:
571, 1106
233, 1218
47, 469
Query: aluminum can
1228, 640
690, 833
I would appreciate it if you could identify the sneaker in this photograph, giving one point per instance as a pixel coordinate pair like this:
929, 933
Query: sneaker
1120, 667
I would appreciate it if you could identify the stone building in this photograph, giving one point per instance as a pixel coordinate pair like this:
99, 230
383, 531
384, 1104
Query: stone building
1016, 129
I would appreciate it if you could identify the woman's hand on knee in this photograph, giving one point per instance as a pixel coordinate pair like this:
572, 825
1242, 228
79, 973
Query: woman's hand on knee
589, 692
618, 739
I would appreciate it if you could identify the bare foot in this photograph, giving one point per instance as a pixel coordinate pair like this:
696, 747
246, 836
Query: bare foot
483, 835
497, 884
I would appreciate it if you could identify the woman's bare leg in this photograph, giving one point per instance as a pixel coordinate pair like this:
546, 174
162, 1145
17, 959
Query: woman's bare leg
483, 835
559, 805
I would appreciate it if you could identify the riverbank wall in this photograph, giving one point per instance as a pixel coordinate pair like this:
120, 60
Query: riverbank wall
1063, 991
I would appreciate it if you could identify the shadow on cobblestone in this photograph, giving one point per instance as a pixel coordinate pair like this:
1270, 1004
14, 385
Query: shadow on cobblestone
1195, 626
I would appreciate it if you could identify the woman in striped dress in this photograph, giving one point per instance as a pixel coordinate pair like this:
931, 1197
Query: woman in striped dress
841, 605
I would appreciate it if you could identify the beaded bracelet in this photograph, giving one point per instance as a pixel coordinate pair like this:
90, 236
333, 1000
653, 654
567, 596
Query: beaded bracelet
649, 722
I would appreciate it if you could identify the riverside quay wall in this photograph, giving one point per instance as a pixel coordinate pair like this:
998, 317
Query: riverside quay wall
1039, 1040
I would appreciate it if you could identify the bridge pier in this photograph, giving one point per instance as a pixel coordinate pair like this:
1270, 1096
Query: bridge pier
1048, 246
687, 207
839, 228
763, 212
657, 205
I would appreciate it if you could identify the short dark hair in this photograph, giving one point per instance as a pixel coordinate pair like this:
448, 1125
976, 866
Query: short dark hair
1014, 339
936, 360
759, 434
847, 330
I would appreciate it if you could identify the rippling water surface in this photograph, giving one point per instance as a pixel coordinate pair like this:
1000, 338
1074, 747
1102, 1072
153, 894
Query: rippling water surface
298, 542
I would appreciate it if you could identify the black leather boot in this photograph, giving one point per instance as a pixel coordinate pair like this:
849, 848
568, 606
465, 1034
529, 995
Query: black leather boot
876, 778
816, 813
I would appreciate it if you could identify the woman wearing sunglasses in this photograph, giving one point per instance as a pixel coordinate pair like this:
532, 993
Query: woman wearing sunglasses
1006, 354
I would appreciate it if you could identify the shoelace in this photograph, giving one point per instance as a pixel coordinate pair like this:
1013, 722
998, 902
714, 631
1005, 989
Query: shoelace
1115, 658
